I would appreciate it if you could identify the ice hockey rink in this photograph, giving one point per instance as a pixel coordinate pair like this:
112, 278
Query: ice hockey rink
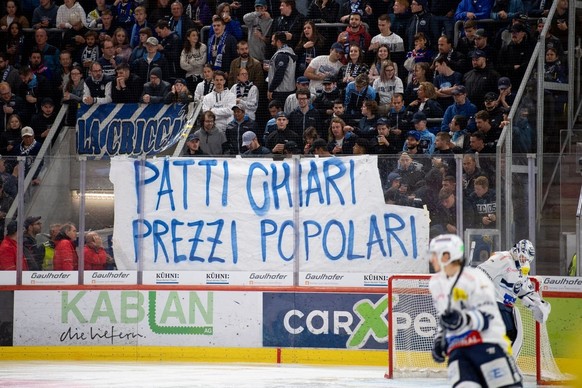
42, 374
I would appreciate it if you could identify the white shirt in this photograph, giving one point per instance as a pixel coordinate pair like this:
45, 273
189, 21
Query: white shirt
394, 42
322, 65
221, 105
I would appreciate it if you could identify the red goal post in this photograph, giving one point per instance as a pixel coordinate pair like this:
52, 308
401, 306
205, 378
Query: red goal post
412, 324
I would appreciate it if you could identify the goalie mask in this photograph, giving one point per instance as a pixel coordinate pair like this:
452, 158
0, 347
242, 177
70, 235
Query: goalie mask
447, 243
523, 252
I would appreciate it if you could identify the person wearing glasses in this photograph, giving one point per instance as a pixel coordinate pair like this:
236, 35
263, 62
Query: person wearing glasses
97, 87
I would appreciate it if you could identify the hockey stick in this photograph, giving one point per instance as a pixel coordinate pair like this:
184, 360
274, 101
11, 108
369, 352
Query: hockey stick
451, 291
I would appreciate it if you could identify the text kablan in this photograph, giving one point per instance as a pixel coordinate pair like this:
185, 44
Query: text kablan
167, 275
217, 276
375, 278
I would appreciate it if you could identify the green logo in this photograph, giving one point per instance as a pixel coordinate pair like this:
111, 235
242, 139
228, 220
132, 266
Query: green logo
372, 322
130, 308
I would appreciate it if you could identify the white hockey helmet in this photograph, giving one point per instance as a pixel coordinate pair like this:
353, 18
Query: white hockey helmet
447, 243
523, 251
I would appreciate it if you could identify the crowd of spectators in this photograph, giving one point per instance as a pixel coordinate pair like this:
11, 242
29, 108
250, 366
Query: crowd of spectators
384, 77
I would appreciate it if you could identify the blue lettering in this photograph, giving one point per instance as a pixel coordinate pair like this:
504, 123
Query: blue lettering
268, 228
215, 241
138, 179
374, 237
334, 240
225, 183
284, 226
391, 232
351, 255
313, 184
234, 242
195, 240
184, 163
283, 184
137, 237
331, 178
167, 184
208, 164
308, 234
177, 257
259, 210
160, 228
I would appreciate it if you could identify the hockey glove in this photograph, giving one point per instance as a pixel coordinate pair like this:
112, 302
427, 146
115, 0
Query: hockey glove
539, 307
453, 319
439, 350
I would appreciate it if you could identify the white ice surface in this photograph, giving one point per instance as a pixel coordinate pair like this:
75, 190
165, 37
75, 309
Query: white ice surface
41, 374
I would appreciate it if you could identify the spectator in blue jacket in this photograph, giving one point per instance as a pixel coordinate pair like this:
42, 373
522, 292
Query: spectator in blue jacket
462, 106
474, 9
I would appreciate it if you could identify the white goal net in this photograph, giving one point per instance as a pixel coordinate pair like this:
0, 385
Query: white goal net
412, 324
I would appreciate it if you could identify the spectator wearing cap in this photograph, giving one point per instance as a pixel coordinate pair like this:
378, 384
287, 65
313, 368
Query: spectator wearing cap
220, 101
445, 81
29, 148
455, 59
170, 46
253, 67
514, 58
291, 102
179, 93
221, 46
427, 139
276, 140
193, 145
212, 140
462, 106
319, 148
481, 80
127, 87
258, 25
412, 143
506, 95
240, 124
356, 93
482, 43
246, 92
33, 251
324, 67
466, 43
324, 101
97, 88
305, 115
409, 169
156, 91
281, 71
252, 145
42, 122
9, 249
473, 10
422, 21
152, 58
493, 109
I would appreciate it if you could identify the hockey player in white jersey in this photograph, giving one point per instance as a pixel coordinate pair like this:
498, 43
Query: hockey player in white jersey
509, 272
471, 330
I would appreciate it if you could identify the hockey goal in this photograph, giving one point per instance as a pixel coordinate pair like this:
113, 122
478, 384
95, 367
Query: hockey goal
412, 323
